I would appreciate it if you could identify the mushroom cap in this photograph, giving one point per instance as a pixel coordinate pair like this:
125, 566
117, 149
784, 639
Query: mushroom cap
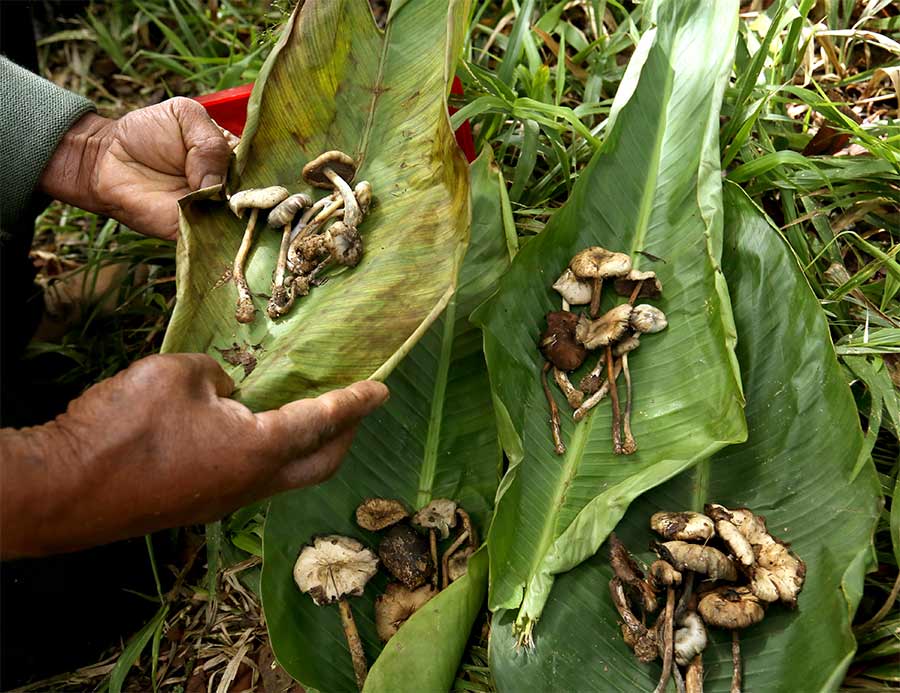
607, 329
662, 574
574, 290
439, 514
699, 558
629, 343
344, 244
731, 608
334, 567
648, 319
284, 213
362, 191
396, 605
405, 554
690, 638
257, 198
342, 164
458, 565
375, 514
651, 288
599, 262
558, 343
684, 526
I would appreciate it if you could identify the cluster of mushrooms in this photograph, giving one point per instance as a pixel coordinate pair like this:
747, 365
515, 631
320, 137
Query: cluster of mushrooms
719, 569
310, 245
335, 567
569, 338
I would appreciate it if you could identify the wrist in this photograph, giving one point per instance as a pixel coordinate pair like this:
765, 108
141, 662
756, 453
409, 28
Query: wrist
70, 174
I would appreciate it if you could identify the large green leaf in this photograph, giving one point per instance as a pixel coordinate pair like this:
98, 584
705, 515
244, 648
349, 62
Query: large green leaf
335, 81
435, 437
654, 187
798, 468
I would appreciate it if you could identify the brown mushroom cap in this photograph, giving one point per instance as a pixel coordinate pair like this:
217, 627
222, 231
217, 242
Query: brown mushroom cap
609, 328
597, 262
662, 574
575, 291
334, 567
731, 608
375, 514
439, 515
558, 343
684, 526
405, 554
396, 605
697, 557
342, 164
651, 287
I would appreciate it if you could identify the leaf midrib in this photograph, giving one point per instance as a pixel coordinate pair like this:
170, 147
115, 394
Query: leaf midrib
377, 91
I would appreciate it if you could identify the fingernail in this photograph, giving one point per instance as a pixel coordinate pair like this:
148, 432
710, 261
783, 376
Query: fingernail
211, 179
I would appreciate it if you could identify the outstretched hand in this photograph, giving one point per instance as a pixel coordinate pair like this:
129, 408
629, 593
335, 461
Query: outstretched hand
135, 169
161, 445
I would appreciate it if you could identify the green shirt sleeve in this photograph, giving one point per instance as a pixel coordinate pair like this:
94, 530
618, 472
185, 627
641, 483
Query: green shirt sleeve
34, 115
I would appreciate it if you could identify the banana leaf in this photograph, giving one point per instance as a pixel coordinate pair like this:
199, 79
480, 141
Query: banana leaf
435, 437
798, 468
654, 187
335, 81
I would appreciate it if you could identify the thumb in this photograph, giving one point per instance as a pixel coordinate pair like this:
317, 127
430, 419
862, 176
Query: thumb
299, 428
207, 150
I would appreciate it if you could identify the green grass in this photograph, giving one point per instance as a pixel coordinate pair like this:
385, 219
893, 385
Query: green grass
800, 66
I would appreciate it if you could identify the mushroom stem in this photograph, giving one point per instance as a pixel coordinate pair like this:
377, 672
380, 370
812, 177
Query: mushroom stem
591, 382
595, 297
666, 643
687, 590
595, 398
573, 396
432, 543
357, 654
320, 211
630, 445
352, 213
736, 681
558, 445
448, 554
693, 682
630, 621
245, 310
614, 396
679, 680
282, 297
635, 292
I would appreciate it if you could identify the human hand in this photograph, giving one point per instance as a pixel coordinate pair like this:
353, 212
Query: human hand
160, 445
135, 169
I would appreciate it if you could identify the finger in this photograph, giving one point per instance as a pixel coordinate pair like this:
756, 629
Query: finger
208, 372
207, 149
317, 467
297, 428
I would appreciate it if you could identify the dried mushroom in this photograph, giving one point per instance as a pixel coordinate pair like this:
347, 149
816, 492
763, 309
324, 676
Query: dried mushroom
330, 570
607, 329
558, 342
697, 558
396, 605
404, 553
683, 526
375, 514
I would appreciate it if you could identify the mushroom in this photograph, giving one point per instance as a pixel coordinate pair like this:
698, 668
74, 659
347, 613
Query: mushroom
627, 570
375, 514
574, 396
396, 605
630, 343
637, 284
254, 199
648, 319
558, 342
573, 290
555, 430
590, 383
598, 396
683, 526
282, 217
331, 569
608, 329
458, 565
693, 677
776, 573
335, 169
596, 263
404, 552
438, 517
328, 207
636, 635
732, 608
701, 559
344, 244
690, 638
662, 574
664, 628
455, 562
362, 191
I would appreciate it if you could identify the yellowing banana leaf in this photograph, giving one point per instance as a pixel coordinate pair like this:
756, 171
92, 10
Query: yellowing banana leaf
335, 81
798, 468
653, 188
435, 437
